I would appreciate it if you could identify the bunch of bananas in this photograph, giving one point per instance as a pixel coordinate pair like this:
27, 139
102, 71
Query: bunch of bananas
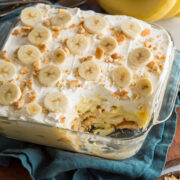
147, 10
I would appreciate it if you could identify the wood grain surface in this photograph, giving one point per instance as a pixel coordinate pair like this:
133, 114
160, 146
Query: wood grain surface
17, 172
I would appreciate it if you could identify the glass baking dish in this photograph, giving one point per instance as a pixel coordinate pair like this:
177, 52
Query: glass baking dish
119, 145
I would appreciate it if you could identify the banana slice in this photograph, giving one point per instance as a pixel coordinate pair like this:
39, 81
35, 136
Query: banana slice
49, 75
39, 35
89, 70
130, 28
78, 44
33, 109
62, 20
95, 24
28, 54
108, 44
139, 56
56, 102
7, 71
144, 87
9, 93
121, 76
59, 56
30, 16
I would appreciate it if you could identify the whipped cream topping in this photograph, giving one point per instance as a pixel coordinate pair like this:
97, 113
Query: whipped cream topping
158, 43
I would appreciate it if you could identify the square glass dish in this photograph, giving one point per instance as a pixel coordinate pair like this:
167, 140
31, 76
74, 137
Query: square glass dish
119, 144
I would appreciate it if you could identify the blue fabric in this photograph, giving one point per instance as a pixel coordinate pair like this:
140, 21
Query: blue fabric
45, 163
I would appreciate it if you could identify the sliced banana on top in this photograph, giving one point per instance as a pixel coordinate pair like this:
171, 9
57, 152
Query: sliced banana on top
7, 71
31, 16
130, 28
62, 20
49, 75
78, 44
144, 87
59, 56
139, 56
33, 109
95, 24
108, 44
56, 102
28, 54
89, 70
121, 76
39, 35
9, 93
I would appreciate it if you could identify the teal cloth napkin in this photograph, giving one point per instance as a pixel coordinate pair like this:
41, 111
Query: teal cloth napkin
45, 163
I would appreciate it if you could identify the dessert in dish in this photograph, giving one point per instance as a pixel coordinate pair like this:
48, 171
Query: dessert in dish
82, 70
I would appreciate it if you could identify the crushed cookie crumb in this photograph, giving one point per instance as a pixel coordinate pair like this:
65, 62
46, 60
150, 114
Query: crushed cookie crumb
81, 23
29, 84
66, 50
119, 36
135, 96
4, 56
73, 84
146, 32
43, 47
47, 22
115, 55
64, 41
163, 57
154, 48
55, 28
31, 99
81, 30
99, 52
35, 74
112, 29
27, 28
86, 34
62, 119
25, 34
88, 58
32, 95
55, 34
146, 43
24, 70
17, 79
16, 32
108, 59
36, 66
76, 73
151, 39
61, 11
58, 84
149, 46
15, 53
72, 26
67, 71
123, 93
19, 104
153, 67
120, 97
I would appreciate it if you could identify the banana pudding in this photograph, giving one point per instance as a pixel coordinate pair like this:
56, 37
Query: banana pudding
82, 70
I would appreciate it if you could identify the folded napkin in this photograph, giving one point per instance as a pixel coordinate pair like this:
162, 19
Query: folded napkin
45, 163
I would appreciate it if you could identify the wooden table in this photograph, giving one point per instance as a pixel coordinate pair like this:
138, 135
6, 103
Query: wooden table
17, 172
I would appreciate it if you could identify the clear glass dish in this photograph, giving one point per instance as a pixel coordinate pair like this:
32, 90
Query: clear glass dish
119, 145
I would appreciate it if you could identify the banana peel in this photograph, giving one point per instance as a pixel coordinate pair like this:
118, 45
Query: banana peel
147, 10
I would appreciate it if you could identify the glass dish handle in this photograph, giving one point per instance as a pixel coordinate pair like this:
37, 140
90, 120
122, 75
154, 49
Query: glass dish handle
5, 28
171, 91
